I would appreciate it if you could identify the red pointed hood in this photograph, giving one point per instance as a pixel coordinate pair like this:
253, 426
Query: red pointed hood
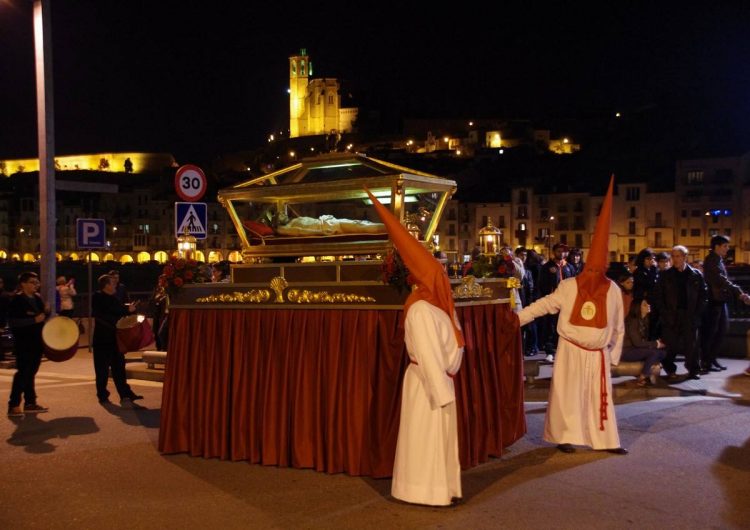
432, 280
590, 308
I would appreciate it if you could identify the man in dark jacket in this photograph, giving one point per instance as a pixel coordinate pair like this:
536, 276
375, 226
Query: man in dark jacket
107, 310
716, 317
681, 296
26, 315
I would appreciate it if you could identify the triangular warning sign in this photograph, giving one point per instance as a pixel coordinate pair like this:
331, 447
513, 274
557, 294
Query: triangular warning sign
191, 222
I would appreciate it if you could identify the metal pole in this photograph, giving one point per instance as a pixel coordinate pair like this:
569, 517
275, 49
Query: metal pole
46, 141
91, 294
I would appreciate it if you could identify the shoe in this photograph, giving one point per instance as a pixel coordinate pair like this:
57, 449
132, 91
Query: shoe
618, 451
713, 369
655, 371
746, 372
14, 412
704, 371
566, 448
671, 376
718, 366
134, 397
641, 381
34, 408
694, 375
105, 401
550, 358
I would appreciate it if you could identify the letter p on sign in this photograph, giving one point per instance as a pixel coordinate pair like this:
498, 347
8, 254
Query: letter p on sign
90, 233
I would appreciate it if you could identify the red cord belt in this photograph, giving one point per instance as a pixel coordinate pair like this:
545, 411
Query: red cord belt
602, 381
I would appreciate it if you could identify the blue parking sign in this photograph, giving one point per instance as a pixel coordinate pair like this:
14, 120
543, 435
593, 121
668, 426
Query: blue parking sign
191, 217
91, 233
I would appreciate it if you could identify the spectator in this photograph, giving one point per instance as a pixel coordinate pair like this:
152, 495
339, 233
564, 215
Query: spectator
26, 314
65, 292
107, 310
532, 264
716, 317
525, 293
631, 264
160, 304
645, 275
575, 258
663, 262
121, 292
550, 276
681, 297
637, 347
625, 282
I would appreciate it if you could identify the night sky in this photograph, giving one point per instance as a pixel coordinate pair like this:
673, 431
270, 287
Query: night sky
200, 79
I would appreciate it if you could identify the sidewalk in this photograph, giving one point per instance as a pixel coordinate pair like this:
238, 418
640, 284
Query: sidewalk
88, 466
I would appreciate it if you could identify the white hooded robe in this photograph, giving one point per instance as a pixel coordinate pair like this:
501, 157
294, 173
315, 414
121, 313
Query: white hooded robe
573, 415
426, 469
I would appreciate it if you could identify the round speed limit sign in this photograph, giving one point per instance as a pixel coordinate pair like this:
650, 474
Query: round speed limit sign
190, 183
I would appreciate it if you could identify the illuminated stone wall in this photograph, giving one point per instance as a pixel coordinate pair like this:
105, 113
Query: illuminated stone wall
141, 163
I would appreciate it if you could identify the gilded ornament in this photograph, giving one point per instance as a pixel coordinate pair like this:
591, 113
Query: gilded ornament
470, 288
278, 284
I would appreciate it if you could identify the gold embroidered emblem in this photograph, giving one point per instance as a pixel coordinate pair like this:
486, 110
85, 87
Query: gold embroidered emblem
588, 311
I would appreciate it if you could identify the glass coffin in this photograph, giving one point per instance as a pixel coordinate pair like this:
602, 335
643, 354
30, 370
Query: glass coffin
319, 207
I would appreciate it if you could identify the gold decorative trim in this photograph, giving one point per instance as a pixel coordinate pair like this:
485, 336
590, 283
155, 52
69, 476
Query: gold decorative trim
305, 296
254, 296
469, 288
512, 282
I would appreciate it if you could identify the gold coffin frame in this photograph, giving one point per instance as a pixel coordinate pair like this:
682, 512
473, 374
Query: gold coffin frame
395, 184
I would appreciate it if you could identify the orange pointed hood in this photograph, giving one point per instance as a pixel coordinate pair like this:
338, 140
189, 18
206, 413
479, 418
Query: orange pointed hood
432, 280
590, 308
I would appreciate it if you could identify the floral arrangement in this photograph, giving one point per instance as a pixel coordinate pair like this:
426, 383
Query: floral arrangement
395, 271
179, 271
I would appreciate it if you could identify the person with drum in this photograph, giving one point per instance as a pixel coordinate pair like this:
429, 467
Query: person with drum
26, 315
107, 310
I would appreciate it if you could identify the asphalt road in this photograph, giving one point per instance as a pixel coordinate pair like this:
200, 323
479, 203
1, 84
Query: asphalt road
86, 466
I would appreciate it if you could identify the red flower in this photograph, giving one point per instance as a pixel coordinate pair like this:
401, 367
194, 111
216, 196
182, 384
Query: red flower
179, 264
168, 271
177, 282
188, 275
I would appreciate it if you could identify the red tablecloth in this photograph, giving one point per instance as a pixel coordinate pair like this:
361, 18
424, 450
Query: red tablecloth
321, 389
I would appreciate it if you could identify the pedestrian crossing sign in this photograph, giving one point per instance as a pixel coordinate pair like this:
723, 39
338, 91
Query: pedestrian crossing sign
191, 216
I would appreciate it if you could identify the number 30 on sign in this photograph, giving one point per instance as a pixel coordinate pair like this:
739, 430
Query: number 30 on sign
190, 183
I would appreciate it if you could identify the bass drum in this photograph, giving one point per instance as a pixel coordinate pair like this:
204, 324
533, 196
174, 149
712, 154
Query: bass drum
133, 333
60, 336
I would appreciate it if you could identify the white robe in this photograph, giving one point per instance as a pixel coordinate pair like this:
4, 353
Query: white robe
574, 397
427, 468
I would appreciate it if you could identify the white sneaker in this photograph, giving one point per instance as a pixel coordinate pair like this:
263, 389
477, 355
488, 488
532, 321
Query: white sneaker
550, 358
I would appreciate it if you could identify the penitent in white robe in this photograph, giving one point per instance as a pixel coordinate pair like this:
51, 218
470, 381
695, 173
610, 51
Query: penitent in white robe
573, 415
427, 468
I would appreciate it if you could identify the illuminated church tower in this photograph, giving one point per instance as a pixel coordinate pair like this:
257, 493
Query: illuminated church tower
299, 69
315, 104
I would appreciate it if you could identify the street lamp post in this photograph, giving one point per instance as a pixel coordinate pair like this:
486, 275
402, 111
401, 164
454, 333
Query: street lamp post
550, 236
46, 142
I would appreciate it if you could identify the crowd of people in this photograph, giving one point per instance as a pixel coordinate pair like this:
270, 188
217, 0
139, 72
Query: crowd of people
670, 307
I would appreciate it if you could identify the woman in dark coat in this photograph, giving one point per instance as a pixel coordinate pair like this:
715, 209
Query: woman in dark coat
637, 347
